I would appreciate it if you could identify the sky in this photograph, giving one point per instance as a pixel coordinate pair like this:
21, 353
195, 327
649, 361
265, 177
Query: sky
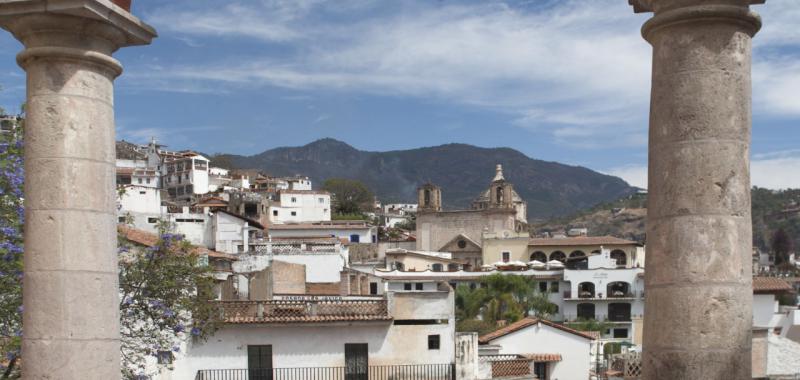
559, 80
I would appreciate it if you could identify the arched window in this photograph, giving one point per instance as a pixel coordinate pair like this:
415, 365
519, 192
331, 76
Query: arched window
499, 194
427, 197
452, 268
437, 267
559, 256
399, 266
620, 256
586, 290
618, 289
539, 256
577, 260
586, 311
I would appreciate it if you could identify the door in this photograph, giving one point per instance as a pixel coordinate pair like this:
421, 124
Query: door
259, 362
356, 361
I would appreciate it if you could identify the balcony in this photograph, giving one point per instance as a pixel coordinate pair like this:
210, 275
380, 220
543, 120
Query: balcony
379, 372
620, 318
303, 311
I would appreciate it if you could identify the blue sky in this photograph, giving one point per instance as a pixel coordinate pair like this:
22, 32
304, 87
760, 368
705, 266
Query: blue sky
559, 80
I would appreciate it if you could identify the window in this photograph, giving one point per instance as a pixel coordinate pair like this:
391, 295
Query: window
164, 357
620, 333
543, 286
462, 244
400, 267
139, 180
373, 288
407, 286
433, 342
186, 176
418, 286
294, 200
437, 267
355, 238
554, 287
152, 220
274, 212
322, 200
294, 213
142, 192
506, 257
121, 219
148, 180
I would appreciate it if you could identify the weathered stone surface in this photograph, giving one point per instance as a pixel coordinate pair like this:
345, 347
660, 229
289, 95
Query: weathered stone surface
62, 183
697, 248
73, 359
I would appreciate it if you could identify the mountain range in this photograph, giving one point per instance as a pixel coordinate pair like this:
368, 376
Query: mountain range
462, 171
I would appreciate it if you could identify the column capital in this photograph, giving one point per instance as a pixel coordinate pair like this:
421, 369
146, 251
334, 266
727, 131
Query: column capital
77, 30
656, 6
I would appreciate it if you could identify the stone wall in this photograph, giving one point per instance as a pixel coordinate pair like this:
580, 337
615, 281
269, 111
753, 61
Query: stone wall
435, 229
288, 278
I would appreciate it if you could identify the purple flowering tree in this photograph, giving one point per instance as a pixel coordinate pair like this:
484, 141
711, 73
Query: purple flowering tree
11, 223
164, 302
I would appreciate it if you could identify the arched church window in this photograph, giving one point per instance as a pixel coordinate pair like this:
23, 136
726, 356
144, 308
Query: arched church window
427, 198
499, 194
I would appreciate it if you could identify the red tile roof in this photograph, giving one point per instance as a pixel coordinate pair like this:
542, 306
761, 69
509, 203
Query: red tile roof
540, 358
580, 240
527, 322
770, 285
149, 239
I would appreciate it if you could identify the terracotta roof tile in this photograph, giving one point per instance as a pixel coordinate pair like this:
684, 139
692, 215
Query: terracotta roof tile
149, 239
527, 322
539, 358
770, 285
580, 240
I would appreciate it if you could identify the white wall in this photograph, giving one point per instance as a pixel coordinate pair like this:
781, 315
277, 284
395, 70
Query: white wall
303, 345
229, 233
543, 339
306, 206
364, 234
764, 308
140, 199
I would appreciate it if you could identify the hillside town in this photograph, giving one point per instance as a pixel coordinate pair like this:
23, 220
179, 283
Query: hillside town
546, 190
301, 290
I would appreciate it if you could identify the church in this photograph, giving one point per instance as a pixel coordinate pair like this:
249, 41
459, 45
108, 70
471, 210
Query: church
496, 210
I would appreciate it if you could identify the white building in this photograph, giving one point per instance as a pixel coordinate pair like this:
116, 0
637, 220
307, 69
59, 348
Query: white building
234, 233
355, 231
342, 336
555, 351
299, 206
184, 174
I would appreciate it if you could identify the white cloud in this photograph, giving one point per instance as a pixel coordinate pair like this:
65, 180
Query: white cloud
635, 175
774, 170
577, 67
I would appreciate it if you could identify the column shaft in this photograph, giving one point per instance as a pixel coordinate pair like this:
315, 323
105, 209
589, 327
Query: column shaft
71, 319
698, 306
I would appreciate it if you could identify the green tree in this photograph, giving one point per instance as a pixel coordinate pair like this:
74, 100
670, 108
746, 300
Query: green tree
781, 246
501, 297
11, 245
349, 196
165, 293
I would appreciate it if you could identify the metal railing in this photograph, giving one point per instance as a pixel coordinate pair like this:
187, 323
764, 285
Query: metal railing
378, 372
302, 311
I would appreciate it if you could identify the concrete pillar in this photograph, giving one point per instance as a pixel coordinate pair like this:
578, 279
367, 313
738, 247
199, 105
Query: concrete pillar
698, 278
70, 292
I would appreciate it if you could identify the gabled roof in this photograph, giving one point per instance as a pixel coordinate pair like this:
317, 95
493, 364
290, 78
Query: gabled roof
580, 240
252, 222
454, 241
528, 322
770, 285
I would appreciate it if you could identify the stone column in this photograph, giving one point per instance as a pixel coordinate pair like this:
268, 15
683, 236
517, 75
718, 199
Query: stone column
698, 277
71, 318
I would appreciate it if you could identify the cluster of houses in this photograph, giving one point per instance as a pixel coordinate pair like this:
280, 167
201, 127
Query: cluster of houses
303, 296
